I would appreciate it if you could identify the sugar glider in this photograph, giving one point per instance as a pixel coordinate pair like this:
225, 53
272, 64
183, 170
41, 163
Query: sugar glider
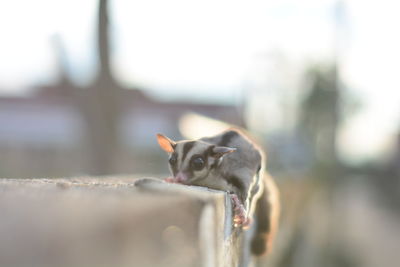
231, 162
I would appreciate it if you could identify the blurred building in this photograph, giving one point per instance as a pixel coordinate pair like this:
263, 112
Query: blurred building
51, 123
104, 128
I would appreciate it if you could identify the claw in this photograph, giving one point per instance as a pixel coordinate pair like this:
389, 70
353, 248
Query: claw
240, 218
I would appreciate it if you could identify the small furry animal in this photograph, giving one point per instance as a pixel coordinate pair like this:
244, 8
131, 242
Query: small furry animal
231, 162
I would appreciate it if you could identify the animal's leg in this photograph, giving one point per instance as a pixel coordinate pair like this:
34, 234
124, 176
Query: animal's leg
240, 217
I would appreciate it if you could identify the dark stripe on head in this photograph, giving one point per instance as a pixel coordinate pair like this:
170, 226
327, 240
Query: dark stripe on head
186, 148
189, 169
208, 151
214, 165
174, 167
227, 137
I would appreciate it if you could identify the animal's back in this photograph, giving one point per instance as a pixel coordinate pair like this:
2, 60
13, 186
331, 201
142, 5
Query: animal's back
248, 155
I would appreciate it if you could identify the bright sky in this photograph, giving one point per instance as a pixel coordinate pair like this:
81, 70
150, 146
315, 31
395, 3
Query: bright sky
26, 27
371, 69
207, 49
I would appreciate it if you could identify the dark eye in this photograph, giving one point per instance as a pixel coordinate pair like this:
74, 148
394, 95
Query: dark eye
197, 163
172, 159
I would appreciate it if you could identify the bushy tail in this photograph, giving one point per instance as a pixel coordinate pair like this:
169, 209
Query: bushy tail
267, 216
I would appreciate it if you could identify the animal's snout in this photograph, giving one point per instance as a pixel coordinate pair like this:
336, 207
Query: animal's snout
181, 177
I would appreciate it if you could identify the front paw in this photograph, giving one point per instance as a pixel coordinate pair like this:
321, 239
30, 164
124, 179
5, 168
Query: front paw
240, 218
172, 180
169, 180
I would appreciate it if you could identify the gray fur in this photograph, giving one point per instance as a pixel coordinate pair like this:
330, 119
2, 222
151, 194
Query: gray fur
235, 164
244, 163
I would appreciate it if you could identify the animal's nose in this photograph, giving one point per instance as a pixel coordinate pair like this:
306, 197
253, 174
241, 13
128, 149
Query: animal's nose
181, 177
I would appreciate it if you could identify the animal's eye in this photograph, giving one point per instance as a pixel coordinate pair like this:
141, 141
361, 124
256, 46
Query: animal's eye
197, 163
172, 159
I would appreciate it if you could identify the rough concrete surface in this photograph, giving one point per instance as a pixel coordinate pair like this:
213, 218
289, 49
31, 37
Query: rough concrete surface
108, 221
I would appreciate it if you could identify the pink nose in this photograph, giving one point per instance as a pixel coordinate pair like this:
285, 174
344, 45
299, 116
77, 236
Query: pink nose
181, 177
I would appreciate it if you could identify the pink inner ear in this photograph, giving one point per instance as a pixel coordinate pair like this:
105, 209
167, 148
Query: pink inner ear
165, 143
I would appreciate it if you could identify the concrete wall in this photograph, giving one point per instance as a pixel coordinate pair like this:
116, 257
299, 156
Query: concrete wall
117, 221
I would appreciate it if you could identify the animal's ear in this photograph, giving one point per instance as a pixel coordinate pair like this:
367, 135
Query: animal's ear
219, 151
165, 143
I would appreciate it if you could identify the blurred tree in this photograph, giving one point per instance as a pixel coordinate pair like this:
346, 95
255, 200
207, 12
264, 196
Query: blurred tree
100, 105
319, 117
62, 66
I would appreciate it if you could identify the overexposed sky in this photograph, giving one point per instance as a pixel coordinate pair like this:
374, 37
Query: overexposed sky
208, 50
210, 45
205, 45
26, 28
371, 69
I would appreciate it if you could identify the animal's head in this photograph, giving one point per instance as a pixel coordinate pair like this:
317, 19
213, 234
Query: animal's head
192, 160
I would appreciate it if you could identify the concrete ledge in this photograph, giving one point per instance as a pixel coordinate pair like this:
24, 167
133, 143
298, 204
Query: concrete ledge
114, 221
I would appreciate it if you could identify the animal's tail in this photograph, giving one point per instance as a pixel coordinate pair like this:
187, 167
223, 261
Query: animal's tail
267, 215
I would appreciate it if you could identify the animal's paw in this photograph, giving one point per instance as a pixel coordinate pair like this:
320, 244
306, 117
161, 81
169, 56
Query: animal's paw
169, 180
240, 218
172, 180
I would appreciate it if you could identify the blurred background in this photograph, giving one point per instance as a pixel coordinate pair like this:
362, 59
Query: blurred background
86, 85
